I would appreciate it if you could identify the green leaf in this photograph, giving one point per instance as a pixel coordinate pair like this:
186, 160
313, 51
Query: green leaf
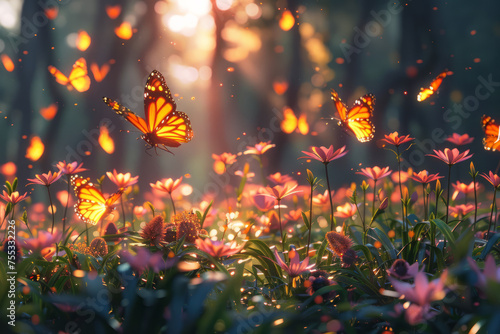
320, 252
14, 184
306, 221
386, 242
151, 207
202, 219
492, 242
9, 187
445, 230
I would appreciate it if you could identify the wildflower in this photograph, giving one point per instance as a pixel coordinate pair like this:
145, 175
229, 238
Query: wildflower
43, 240
259, 148
463, 188
167, 185
99, 247
490, 272
325, 155
143, 260
422, 292
395, 139
170, 233
46, 179
278, 178
222, 161
317, 280
451, 157
322, 199
376, 173
460, 140
401, 269
154, 231
187, 225
217, 249
424, 177
122, 180
404, 176
13, 198
70, 168
279, 192
461, 210
339, 243
263, 203
293, 215
296, 267
493, 179
346, 211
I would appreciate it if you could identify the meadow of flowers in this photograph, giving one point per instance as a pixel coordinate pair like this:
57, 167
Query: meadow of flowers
405, 251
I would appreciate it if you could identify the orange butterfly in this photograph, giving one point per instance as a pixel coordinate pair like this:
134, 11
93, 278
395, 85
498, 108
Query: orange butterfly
163, 125
78, 78
92, 206
491, 140
291, 123
426, 92
357, 119
99, 73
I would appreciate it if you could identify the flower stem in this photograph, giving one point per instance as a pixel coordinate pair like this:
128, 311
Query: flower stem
374, 197
403, 218
310, 220
66, 207
264, 182
283, 236
475, 203
425, 206
52, 211
492, 209
172, 201
330, 197
364, 206
448, 194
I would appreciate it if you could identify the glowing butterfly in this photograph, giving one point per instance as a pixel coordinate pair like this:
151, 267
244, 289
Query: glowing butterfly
280, 87
78, 78
36, 149
287, 20
99, 73
356, 120
491, 140
163, 126
426, 92
106, 142
92, 206
113, 11
7, 63
49, 112
124, 31
291, 123
83, 40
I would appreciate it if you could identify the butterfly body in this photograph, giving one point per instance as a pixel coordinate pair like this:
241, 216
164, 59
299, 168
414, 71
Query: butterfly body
163, 126
92, 206
356, 120
491, 140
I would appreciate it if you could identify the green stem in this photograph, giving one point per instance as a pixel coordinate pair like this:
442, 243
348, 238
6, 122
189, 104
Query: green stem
403, 218
425, 206
283, 236
52, 211
448, 194
310, 220
491, 214
374, 197
172, 201
66, 207
364, 207
475, 204
330, 197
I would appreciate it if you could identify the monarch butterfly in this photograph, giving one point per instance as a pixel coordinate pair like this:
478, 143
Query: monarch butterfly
491, 140
291, 123
426, 92
78, 78
357, 119
92, 206
163, 125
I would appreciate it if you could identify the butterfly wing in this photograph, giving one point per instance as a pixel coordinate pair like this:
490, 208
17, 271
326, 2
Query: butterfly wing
426, 92
168, 126
359, 118
99, 73
491, 140
341, 107
289, 122
58, 75
130, 116
78, 77
302, 124
91, 206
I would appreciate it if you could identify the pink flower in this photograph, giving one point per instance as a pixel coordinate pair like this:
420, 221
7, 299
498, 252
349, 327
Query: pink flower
492, 178
490, 272
395, 139
296, 267
222, 161
143, 260
461, 210
13, 198
346, 211
451, 157
217, 249
414, 314
278, 178
46, 179
460, 139
263, 203
424, 177
122, 180
259, 148
280, 192
401, 269
325, 155
293, 215
43, 240
404, 176
422, 292
375, 173
70, 168
168, 185
322, 199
